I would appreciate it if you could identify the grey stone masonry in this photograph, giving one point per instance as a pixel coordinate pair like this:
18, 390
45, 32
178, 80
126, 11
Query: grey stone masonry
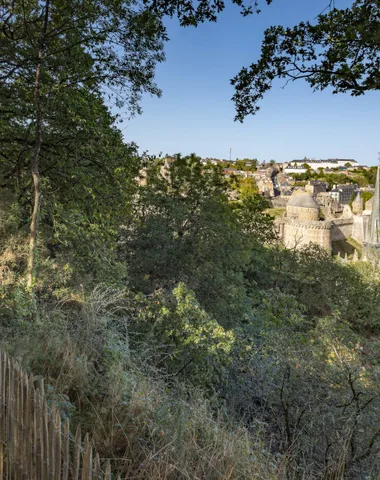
373, 233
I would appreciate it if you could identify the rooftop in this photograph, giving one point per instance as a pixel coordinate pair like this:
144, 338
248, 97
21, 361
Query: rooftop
303, 199
328, 160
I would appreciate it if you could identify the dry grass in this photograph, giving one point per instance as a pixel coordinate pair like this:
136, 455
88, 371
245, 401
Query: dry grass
154, 435
148, 430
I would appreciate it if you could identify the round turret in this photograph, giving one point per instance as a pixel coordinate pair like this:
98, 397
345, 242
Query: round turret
302, 206
357, 204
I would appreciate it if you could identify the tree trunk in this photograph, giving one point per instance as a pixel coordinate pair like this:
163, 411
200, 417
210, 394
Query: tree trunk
36, 153
36, 181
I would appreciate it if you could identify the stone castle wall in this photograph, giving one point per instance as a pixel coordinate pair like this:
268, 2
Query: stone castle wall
303, 214
359, 227
296, 234
341, 229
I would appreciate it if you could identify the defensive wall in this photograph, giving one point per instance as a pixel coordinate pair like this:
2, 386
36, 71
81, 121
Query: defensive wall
297, 233
359, 227
341, 229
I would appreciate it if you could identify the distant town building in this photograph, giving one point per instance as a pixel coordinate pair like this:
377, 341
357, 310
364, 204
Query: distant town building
295, 169
298, 166
330, 208
343, 193
316, 186
213, 161
228, 172
282, 183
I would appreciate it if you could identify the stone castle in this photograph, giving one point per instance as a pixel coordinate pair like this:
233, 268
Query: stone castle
320, 220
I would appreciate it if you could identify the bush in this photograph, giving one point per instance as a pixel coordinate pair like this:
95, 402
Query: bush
149, 424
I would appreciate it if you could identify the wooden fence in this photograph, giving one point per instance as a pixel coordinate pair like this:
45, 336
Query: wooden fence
34, 443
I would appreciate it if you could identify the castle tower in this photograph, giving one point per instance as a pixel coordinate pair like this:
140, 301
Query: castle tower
357, 205
372, 238
301, 226
302, 206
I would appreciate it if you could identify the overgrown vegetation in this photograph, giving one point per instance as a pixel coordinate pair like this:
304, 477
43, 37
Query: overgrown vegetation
208, 351
152, 294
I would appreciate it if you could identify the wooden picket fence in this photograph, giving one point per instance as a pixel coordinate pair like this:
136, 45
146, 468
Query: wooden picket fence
34, 443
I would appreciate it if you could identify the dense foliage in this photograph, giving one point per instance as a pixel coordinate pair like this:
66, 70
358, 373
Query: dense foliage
202, 300
165, 316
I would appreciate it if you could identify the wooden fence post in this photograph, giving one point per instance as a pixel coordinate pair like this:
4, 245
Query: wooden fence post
58, 445
10, 423
2, 413
34, 445
77, 454
108, 471
87, 459
66, 450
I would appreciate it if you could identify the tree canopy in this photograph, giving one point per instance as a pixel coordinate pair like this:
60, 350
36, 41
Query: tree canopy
86, 43
341, 50
191, 13
184, 229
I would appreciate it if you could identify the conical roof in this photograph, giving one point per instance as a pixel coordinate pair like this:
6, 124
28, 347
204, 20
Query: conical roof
358, 199
303, 200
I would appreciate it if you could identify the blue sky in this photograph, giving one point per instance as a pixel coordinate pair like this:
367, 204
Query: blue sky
195, 113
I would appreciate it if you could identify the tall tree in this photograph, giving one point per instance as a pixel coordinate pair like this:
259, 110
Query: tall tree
183, 229
87, 174
50, 46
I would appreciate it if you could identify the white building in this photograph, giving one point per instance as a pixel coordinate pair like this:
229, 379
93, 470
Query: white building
294, 169
295, 166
